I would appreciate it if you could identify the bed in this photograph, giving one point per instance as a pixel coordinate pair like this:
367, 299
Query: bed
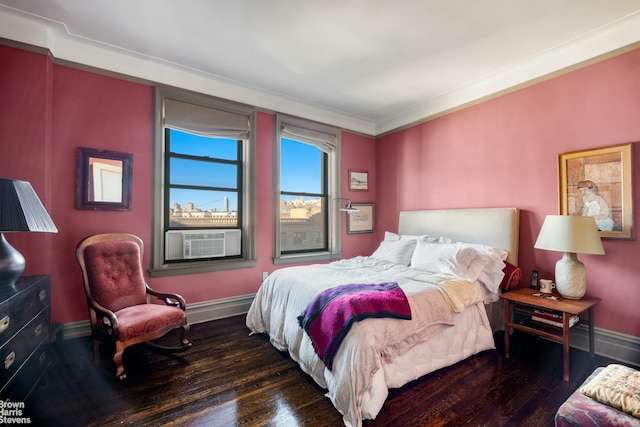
381, 353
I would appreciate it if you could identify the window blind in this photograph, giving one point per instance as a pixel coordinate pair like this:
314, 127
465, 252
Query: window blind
324, 141
205, 121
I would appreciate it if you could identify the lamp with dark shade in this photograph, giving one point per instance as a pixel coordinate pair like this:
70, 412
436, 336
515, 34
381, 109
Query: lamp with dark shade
572, 235
20, 210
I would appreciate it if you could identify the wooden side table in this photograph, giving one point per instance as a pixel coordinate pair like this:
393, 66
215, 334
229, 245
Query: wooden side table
567, 307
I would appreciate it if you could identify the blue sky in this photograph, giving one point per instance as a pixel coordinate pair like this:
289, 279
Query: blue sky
301, 164
301, 167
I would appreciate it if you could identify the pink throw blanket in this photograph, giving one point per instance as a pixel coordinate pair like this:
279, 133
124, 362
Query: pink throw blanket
328, 318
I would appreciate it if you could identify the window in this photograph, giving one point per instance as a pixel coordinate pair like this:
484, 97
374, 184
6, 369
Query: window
303, 196
204, 192
204, 181
307, 165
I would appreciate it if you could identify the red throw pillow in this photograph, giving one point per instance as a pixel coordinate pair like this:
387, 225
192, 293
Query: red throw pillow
512, 276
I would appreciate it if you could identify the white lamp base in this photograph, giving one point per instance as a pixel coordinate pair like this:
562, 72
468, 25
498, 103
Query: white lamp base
571, 277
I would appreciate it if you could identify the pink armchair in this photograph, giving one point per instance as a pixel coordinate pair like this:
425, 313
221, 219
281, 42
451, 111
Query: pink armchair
120, 310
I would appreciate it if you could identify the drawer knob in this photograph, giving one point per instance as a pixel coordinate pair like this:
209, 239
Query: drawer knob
8, 361
38, 329
43, 357
4, 323
42, 295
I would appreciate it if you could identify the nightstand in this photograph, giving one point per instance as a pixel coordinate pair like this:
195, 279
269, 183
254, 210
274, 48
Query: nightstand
567, 307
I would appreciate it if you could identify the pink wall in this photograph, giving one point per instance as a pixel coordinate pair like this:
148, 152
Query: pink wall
47, 111
25, 141
503, 152
358, 154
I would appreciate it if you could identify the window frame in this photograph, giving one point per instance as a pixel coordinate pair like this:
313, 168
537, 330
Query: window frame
333, 183
159, 267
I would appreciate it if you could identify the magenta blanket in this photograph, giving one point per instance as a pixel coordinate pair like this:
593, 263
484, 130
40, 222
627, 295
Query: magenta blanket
328, 318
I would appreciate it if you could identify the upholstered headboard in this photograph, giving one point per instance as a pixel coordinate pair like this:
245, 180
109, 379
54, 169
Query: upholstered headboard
497, 227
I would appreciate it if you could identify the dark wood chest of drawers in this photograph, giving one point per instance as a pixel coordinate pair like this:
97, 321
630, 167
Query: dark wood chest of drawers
25, 321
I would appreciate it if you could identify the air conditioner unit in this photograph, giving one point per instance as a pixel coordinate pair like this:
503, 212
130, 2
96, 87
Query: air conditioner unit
194, 244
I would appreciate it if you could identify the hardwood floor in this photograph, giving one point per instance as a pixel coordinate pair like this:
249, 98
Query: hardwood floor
230, 378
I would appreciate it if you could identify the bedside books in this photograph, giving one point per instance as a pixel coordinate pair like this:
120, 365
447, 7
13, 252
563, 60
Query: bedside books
552, 318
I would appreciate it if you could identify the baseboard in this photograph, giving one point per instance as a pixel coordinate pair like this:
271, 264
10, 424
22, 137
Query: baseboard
614, 345
196, 313
219, 309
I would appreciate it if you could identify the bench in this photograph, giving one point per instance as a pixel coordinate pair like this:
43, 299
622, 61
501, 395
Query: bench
581, 410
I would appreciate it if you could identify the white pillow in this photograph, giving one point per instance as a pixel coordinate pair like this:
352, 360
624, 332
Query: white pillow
492, 274
490, 249
456, 259
424, 237
443, 239
390, 236
397, 251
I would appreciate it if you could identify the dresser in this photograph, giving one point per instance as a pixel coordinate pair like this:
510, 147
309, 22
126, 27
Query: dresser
25, 319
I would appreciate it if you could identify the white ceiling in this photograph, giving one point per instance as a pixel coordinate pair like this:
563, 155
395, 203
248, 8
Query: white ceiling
370, 66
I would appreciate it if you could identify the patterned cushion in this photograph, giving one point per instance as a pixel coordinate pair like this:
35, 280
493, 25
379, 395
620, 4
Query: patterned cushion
617, 386
580, 410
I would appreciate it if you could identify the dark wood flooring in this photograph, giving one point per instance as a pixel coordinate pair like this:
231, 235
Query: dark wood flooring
230, 378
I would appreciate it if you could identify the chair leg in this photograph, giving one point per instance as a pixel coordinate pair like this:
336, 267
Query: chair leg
117, 359
186, 344
96, 351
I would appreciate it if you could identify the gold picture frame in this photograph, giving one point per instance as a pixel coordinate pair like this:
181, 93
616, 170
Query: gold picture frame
598, 183
362, 221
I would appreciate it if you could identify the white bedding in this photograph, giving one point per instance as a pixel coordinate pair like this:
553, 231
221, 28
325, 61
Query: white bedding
449, 323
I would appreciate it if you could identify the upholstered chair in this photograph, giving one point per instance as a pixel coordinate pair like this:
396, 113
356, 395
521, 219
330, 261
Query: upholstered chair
121, 308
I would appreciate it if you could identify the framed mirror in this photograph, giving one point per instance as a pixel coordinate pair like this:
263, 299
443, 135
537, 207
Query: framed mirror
103, 180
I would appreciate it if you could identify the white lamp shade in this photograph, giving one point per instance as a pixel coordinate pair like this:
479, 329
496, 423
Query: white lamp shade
570, 233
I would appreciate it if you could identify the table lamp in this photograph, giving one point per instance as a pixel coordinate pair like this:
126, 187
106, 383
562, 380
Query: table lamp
20, 210
571, 234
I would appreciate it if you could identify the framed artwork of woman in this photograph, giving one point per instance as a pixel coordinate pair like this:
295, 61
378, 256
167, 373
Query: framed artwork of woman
597, 183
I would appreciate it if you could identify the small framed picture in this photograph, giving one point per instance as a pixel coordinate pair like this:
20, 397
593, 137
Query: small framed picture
358, 180
361, 221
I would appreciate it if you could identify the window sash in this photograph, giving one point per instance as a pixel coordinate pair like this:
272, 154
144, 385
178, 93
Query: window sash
173, 183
